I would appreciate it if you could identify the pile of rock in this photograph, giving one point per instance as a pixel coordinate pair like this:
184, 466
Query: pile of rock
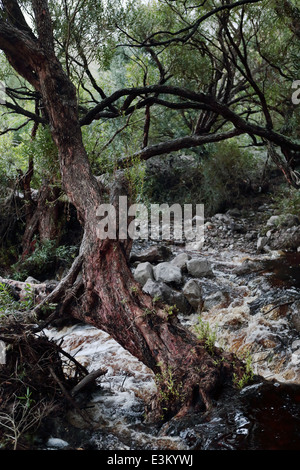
282, 233
178, 281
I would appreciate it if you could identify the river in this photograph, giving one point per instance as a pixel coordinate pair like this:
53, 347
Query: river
257, 295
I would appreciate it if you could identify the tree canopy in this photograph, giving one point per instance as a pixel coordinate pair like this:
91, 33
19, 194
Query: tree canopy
212, 71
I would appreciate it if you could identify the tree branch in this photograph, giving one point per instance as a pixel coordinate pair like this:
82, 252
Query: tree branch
189, 30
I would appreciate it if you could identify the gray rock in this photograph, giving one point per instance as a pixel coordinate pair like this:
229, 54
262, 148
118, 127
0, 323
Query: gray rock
181, 260
248, 266
273, 221
213, 300
154, 288
286, 239
168, 273
32, 280
222, 218
199, 267
295, 316
165, 293
295, 344
262, 243
153, 254
234, 212
289, 220
56, 443
143, 272
192, 291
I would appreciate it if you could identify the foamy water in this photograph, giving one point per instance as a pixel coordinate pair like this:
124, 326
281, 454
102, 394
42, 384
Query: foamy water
128, 384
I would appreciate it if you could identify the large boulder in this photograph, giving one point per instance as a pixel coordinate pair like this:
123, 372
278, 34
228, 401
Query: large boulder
181, 260
287, 239
192, 291
199, 267
168, 273
143, 272
165, 293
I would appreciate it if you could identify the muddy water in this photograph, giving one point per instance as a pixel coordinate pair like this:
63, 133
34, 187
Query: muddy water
284, 271
253, 317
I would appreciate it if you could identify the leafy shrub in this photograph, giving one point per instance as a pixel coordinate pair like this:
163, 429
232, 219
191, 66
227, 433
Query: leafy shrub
287, 201
227, 174
45, 261
8, 303
215, 176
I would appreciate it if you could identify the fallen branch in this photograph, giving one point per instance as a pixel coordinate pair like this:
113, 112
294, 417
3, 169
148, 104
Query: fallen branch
58, 293
87, 380
70, 398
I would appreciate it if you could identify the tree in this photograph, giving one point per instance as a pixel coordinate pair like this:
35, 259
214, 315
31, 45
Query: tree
105, 294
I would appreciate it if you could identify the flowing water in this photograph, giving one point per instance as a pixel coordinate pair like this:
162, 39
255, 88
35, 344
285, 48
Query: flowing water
257, 300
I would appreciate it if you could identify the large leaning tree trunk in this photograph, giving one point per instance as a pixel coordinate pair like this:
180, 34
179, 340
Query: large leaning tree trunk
102, 291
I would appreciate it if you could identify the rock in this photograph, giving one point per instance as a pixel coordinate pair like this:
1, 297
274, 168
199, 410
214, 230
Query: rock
143, 272
295, 316
295, 344
199, 267
262, 243
273, 221
166, 294
168, 273
195, 246
192, 291
213, 300
56, 443
181, 260
209, 225
153, 254
222, 218
248, 266
237, 227
286, 239
289, 220
51, 285
234, 212
32, 280
252, 235
154, 288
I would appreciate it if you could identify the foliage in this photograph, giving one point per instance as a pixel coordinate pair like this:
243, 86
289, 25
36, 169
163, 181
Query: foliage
9, 305
228, 173
44, 153
44, 261
205, 332
12, 158
169, 390
287, 201
241, 382
217, 177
